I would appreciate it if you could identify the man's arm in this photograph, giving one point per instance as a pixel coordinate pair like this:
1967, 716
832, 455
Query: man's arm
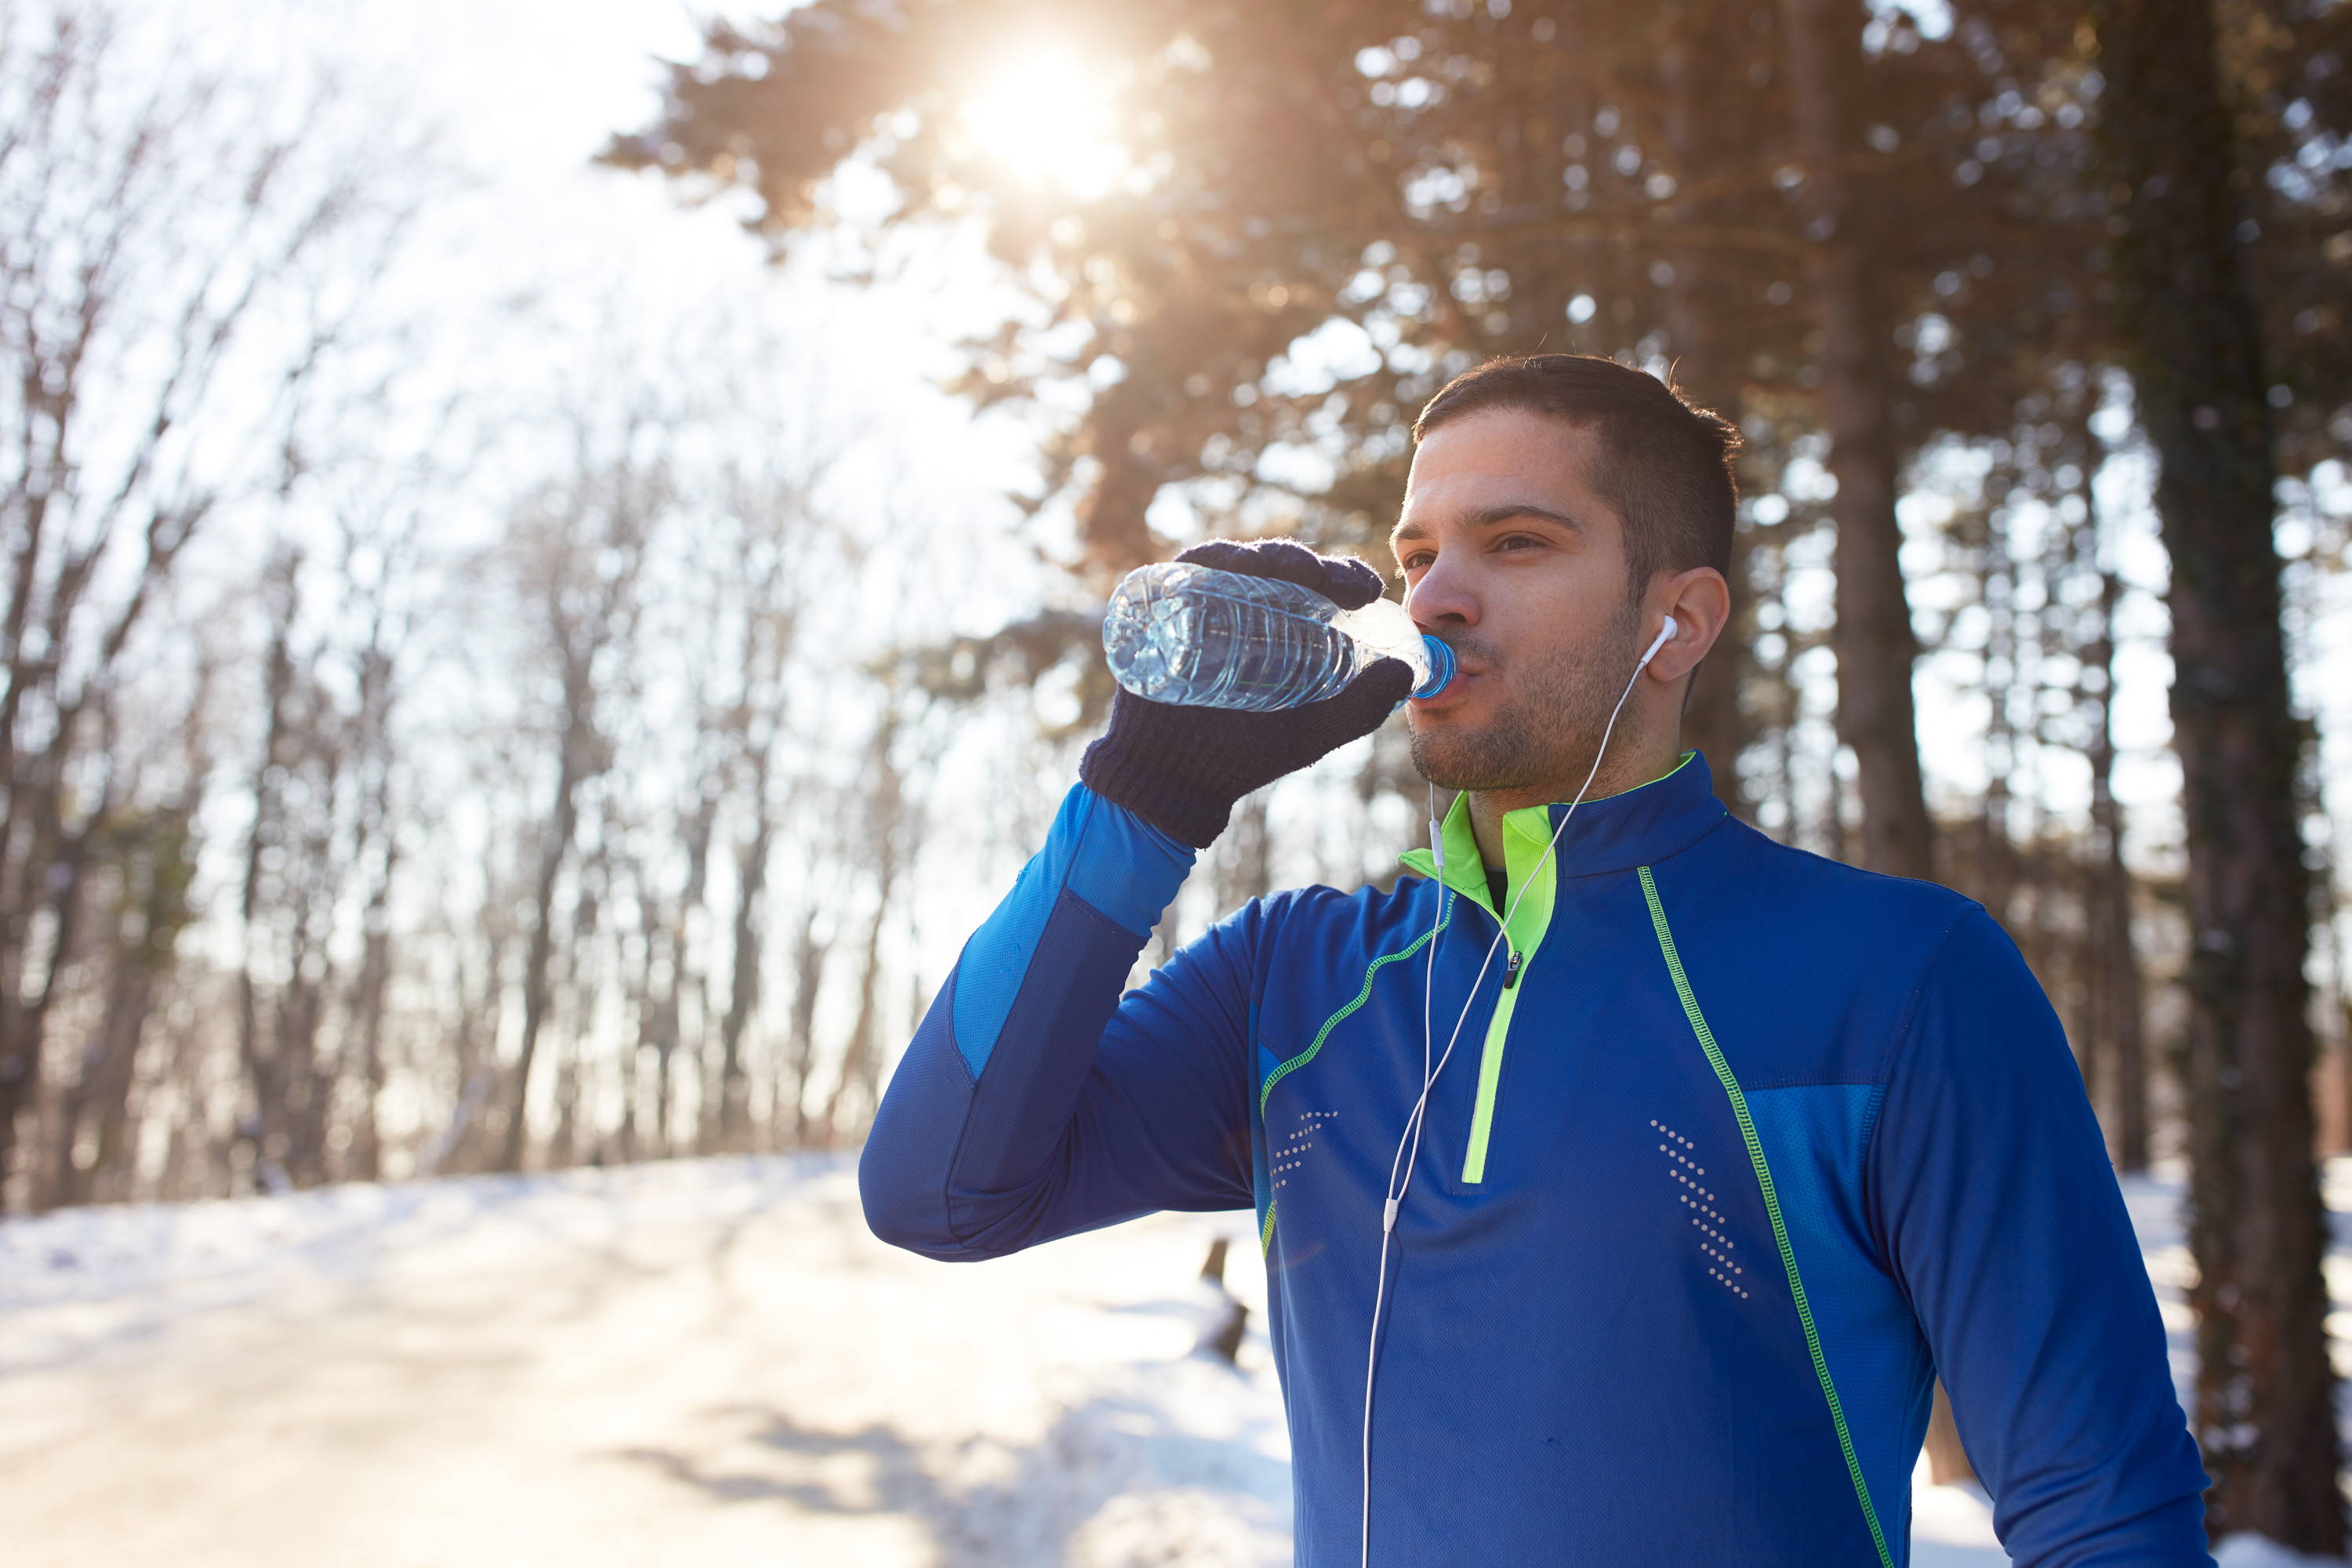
1036, 1100
1996, 1205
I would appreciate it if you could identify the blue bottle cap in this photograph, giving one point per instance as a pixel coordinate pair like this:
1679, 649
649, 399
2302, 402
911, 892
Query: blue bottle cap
1441, 667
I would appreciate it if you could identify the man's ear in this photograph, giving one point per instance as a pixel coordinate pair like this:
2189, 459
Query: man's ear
1700, 601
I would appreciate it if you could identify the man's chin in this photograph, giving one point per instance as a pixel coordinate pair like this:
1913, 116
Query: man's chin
1455, 760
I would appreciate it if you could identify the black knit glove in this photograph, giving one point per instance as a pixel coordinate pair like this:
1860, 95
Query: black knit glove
1180, 769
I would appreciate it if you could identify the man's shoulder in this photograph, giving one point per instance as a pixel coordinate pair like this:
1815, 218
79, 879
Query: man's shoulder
1318, 923
1806, 895
1369, 910
1811, 965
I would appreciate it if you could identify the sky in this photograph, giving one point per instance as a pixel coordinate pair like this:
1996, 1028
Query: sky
548, 269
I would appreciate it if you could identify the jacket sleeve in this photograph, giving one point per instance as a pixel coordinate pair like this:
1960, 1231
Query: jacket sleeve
2002, 1218
1036, 1101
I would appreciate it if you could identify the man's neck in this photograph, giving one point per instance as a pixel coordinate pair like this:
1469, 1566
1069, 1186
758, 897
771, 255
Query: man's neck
1635, 765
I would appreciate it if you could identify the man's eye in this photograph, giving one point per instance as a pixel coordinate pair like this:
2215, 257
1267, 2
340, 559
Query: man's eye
1519, 541
1416, 560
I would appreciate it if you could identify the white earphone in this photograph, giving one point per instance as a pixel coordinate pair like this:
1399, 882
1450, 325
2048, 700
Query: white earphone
1665, 634
1409, 1145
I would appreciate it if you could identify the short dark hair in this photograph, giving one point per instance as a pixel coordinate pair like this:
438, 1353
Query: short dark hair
1672, 478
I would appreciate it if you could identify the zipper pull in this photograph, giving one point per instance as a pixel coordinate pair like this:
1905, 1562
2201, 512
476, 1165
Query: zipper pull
1511, 974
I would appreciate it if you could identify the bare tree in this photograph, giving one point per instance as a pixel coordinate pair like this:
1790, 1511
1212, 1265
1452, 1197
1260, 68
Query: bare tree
888, 836
294, 871
157, 235
777, 533
2266, 1389
811, 948
149, 855
579, 549
1876, 645
2116, 1004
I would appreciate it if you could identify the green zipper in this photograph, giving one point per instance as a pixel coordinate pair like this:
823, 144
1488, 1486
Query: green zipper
1528, 836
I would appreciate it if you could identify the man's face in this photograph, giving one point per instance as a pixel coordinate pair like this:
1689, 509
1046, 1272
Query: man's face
1513, 557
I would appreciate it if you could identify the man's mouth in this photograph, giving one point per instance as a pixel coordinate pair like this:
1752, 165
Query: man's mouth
1471, 662
1455, 691
1470, 657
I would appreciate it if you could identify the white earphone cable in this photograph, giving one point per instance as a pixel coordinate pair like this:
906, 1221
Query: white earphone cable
1409, 1145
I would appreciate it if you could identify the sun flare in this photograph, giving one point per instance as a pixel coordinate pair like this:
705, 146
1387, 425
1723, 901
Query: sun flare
1046, 117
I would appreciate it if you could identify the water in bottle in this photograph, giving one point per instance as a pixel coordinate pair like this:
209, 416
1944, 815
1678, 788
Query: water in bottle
1201, 638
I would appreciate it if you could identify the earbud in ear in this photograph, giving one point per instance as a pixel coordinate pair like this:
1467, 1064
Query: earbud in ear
1666, 636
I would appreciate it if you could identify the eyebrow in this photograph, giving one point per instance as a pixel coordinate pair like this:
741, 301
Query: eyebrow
1488, 518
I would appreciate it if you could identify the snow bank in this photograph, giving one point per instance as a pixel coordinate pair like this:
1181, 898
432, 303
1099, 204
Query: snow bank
75, 1280
686, 1363
191, 1249
2256, 1552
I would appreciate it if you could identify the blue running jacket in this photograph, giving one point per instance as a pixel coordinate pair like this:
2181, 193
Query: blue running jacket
1739, 1148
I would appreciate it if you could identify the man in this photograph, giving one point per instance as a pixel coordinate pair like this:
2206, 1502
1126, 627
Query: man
1741, 1147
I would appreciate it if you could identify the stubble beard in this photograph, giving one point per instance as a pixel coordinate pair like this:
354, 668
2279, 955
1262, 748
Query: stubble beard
1546, 733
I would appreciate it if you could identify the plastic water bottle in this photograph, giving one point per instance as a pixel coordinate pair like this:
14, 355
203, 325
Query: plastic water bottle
1201, 638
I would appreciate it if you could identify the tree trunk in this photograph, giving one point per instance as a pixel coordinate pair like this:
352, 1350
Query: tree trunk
473, 1036
366, 1159
858, 1090
658, 1018
155, 863
101, 1093
1692, 69
743, 987
1875, 646
308, 1077
62, 857
378, 836
684, 976
2121, 1009
564, 825
2266, 1389
264, 1069
562, 1149
1996, 870
808, 977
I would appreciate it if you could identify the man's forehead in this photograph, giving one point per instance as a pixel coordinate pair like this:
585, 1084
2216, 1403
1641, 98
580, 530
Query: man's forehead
1469, 461
1476, 498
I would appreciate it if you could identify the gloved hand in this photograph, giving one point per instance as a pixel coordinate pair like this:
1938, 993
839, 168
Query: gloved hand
1182, 769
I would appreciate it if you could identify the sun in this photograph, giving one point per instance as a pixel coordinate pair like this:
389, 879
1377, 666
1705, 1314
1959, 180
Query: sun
1046, 117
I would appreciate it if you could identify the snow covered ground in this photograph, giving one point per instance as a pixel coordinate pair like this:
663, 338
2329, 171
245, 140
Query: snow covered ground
699, 1364
702, 1363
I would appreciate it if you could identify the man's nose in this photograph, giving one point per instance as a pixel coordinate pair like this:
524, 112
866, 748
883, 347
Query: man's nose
1444, 596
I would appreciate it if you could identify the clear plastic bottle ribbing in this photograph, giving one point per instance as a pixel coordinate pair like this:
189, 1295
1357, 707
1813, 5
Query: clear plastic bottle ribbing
1197, 637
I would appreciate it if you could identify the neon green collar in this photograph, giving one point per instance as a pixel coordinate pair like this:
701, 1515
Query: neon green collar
1527, 833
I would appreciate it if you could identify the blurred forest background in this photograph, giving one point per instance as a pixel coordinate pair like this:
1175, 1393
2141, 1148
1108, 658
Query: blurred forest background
444, 732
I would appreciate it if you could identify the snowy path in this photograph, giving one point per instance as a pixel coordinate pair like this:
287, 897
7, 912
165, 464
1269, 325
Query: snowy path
702, 1364
690, 1365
